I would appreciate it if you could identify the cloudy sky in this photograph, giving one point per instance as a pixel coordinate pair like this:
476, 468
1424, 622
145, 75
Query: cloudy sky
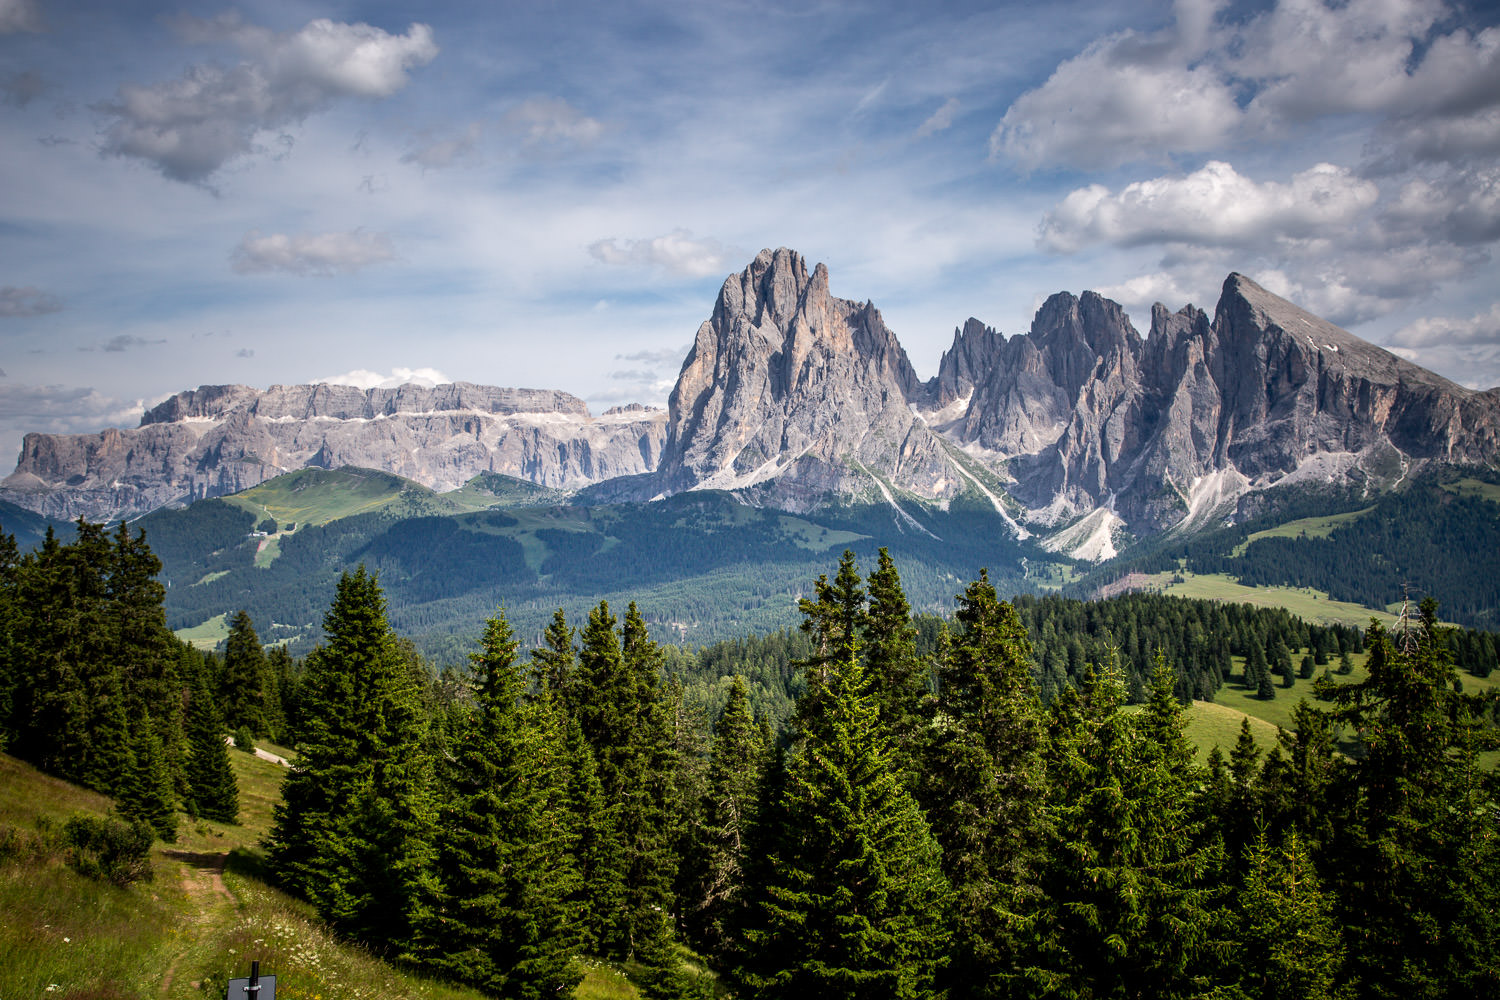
548, 193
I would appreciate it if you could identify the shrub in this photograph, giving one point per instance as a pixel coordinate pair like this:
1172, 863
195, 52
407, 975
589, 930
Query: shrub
108, 849
243, 740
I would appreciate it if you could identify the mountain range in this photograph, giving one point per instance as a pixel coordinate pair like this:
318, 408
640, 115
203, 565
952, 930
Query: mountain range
1080, 432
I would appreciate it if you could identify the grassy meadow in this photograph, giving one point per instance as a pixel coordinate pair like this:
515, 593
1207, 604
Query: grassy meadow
204, 916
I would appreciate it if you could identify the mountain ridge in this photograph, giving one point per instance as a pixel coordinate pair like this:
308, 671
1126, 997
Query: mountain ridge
794, 398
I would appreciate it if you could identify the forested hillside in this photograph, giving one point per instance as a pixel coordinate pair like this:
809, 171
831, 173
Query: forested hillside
874, 805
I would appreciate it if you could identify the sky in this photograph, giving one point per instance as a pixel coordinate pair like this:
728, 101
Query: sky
548, 193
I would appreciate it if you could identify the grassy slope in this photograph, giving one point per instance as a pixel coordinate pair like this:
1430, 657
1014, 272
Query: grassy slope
199, 922
1311, 605
1218, 722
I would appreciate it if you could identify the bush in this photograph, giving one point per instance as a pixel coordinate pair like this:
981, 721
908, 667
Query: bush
268, 526
108, 849
244, 740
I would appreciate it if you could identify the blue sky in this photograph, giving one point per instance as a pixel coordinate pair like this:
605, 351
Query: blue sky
549, 194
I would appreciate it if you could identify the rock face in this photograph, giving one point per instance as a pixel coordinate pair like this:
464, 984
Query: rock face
216, 440
1088, 414
794, 398
793, 395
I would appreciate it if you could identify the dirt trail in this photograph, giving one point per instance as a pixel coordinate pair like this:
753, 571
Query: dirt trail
203, 883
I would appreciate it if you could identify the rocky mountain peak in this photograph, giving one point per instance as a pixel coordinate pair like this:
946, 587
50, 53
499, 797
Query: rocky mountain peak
785, 383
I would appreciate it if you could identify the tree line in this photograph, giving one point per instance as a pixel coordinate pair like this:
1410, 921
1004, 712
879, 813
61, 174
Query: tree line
95, 688
926, 825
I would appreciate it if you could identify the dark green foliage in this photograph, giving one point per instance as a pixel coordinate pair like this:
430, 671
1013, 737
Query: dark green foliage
1130, 906
104, 848
212, 790
351, 832
1419, 860
1287, 943
553, 664
495, 914
146, 792
981, 784
852, 905
716, 859
243, 680
896, 675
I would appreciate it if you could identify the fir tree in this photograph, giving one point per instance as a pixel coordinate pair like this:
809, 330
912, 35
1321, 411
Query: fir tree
1288, 945
718, 860
1418, 855
1130, 908
212, 789
982, 782
146, 793
498, 917
853, 900
897, 677
553, 664
243, 680
351, 830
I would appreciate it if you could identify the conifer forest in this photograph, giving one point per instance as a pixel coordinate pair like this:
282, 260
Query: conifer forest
998, 803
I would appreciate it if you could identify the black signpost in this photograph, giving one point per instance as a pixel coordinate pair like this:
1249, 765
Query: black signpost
257, 987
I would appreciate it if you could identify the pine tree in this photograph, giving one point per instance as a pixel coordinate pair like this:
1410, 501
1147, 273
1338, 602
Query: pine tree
212, 789
897, 677
553, 664
351, 830
718, 860
146, 792
981, 784
648, 826
1417, 856
497, 917
243, 679
1131, 908
1288, 945
852, 902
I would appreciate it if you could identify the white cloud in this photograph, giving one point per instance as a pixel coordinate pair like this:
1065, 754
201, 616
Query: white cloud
543, 122
1095, 111
19, 15
311, 254
941, 119
365, 379
60, 409
1203, 83
27, 301
1460, 205
1214, 206
190, 127
1145, 290
1483, 328
677, 252
436, 154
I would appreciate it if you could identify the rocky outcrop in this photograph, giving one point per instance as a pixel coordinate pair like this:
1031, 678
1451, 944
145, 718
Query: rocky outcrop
216, 440
793, 395
1087, 414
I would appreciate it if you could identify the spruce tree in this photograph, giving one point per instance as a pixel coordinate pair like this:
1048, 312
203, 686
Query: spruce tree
897, 677
1287, 943
1130, 907
553, 664
212, 789
351, 832
718, 858
982, 782
146, 793
497, 917
852, 902
243, 679
1417, 856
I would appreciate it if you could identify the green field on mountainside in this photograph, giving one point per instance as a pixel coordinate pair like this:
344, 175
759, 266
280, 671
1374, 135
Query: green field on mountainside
203, 917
